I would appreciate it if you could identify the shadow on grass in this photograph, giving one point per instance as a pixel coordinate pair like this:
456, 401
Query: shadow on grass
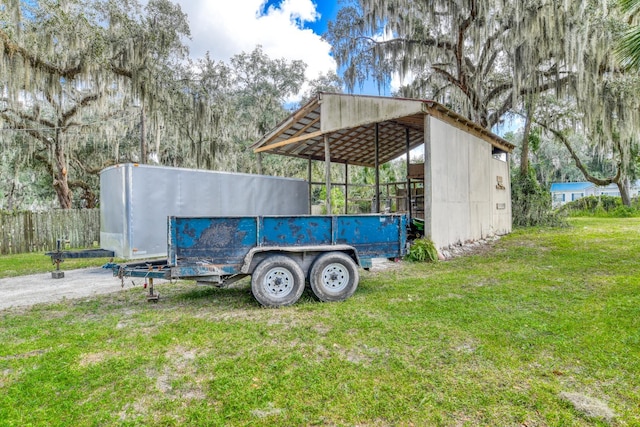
232, 295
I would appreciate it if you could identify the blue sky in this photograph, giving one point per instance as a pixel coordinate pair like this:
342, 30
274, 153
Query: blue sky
289, 29
328, 9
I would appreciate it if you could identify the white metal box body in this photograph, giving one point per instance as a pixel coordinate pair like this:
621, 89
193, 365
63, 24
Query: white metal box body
136, 200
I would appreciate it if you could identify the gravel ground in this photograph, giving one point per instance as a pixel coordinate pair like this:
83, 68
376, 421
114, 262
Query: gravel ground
39, 288
24, 291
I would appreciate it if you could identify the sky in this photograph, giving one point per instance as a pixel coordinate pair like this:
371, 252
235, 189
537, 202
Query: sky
289, 29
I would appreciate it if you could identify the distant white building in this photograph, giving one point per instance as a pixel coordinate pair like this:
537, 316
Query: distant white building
565, 192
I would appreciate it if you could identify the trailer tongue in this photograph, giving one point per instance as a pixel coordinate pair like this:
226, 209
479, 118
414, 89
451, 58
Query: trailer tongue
281, 253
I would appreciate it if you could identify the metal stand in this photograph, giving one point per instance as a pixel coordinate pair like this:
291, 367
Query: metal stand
58, 256
152, 296
57, 259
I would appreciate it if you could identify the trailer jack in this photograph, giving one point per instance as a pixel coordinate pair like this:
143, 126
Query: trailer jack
151, 296
57, 258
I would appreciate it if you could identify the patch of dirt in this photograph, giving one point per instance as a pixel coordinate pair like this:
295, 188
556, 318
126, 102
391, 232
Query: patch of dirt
88, 359
477, 247
269, 411
383, 264
589, 406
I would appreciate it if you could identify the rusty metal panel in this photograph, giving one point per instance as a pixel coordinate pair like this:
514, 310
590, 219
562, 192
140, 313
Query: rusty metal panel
208, 245
296, 231
136, 200
220, 241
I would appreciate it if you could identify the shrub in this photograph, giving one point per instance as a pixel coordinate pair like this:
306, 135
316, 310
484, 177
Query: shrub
601, 206
422, 250
623, 212
531, 204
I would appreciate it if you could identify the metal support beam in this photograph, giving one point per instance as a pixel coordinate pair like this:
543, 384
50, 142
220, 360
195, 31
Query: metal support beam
327, 172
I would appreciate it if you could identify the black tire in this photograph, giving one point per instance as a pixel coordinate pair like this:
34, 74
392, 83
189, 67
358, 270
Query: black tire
334, 277
277, 281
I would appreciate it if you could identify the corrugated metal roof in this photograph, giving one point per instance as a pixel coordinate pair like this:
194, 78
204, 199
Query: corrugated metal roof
350, 123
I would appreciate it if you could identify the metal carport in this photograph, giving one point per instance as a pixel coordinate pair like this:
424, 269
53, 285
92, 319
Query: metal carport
365, 131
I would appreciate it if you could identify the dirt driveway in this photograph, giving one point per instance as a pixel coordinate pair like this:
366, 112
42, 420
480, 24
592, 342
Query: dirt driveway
38, 288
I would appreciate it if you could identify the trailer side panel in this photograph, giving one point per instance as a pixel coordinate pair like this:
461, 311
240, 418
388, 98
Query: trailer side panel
225, 241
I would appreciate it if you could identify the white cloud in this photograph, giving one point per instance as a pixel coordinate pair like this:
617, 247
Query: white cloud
396, 81
226, 28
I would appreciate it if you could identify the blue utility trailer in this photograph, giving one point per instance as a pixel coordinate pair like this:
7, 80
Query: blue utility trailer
281, 253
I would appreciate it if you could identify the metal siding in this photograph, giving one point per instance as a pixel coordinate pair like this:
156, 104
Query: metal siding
113, 220
296, 231
372, 236
137, 199
339, 111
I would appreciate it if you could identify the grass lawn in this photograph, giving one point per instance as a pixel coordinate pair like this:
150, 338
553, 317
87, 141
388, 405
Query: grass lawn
541, 329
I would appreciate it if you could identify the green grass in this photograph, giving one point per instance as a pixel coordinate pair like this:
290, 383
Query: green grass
493, 339
37, 262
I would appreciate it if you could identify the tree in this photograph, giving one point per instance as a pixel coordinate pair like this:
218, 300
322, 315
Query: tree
49, 127
262, 86
330, 83
604, 108
220, 108
629, 47
71, 70
202, 115
486, 59
610, 127
478, 57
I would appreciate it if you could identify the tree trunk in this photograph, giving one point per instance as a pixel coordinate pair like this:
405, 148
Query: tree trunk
199, 150
618, 179
10, 195
524, 152
623, 186
61, 181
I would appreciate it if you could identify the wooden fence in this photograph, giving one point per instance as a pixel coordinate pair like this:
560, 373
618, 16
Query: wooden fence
38, 231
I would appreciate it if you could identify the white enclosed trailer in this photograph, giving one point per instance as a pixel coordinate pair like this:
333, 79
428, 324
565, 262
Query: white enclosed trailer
136, 200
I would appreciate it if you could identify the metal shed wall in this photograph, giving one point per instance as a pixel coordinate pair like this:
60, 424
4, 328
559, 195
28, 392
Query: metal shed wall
462, 199
135, 201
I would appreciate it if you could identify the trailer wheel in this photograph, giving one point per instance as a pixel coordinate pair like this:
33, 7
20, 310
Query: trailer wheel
277, 281
334, 277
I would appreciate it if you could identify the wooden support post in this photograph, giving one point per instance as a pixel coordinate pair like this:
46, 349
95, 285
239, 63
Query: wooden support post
377, 166
346, 188
309, 176
408, 192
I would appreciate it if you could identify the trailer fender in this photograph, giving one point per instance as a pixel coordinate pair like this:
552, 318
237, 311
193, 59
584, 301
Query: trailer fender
303, 255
